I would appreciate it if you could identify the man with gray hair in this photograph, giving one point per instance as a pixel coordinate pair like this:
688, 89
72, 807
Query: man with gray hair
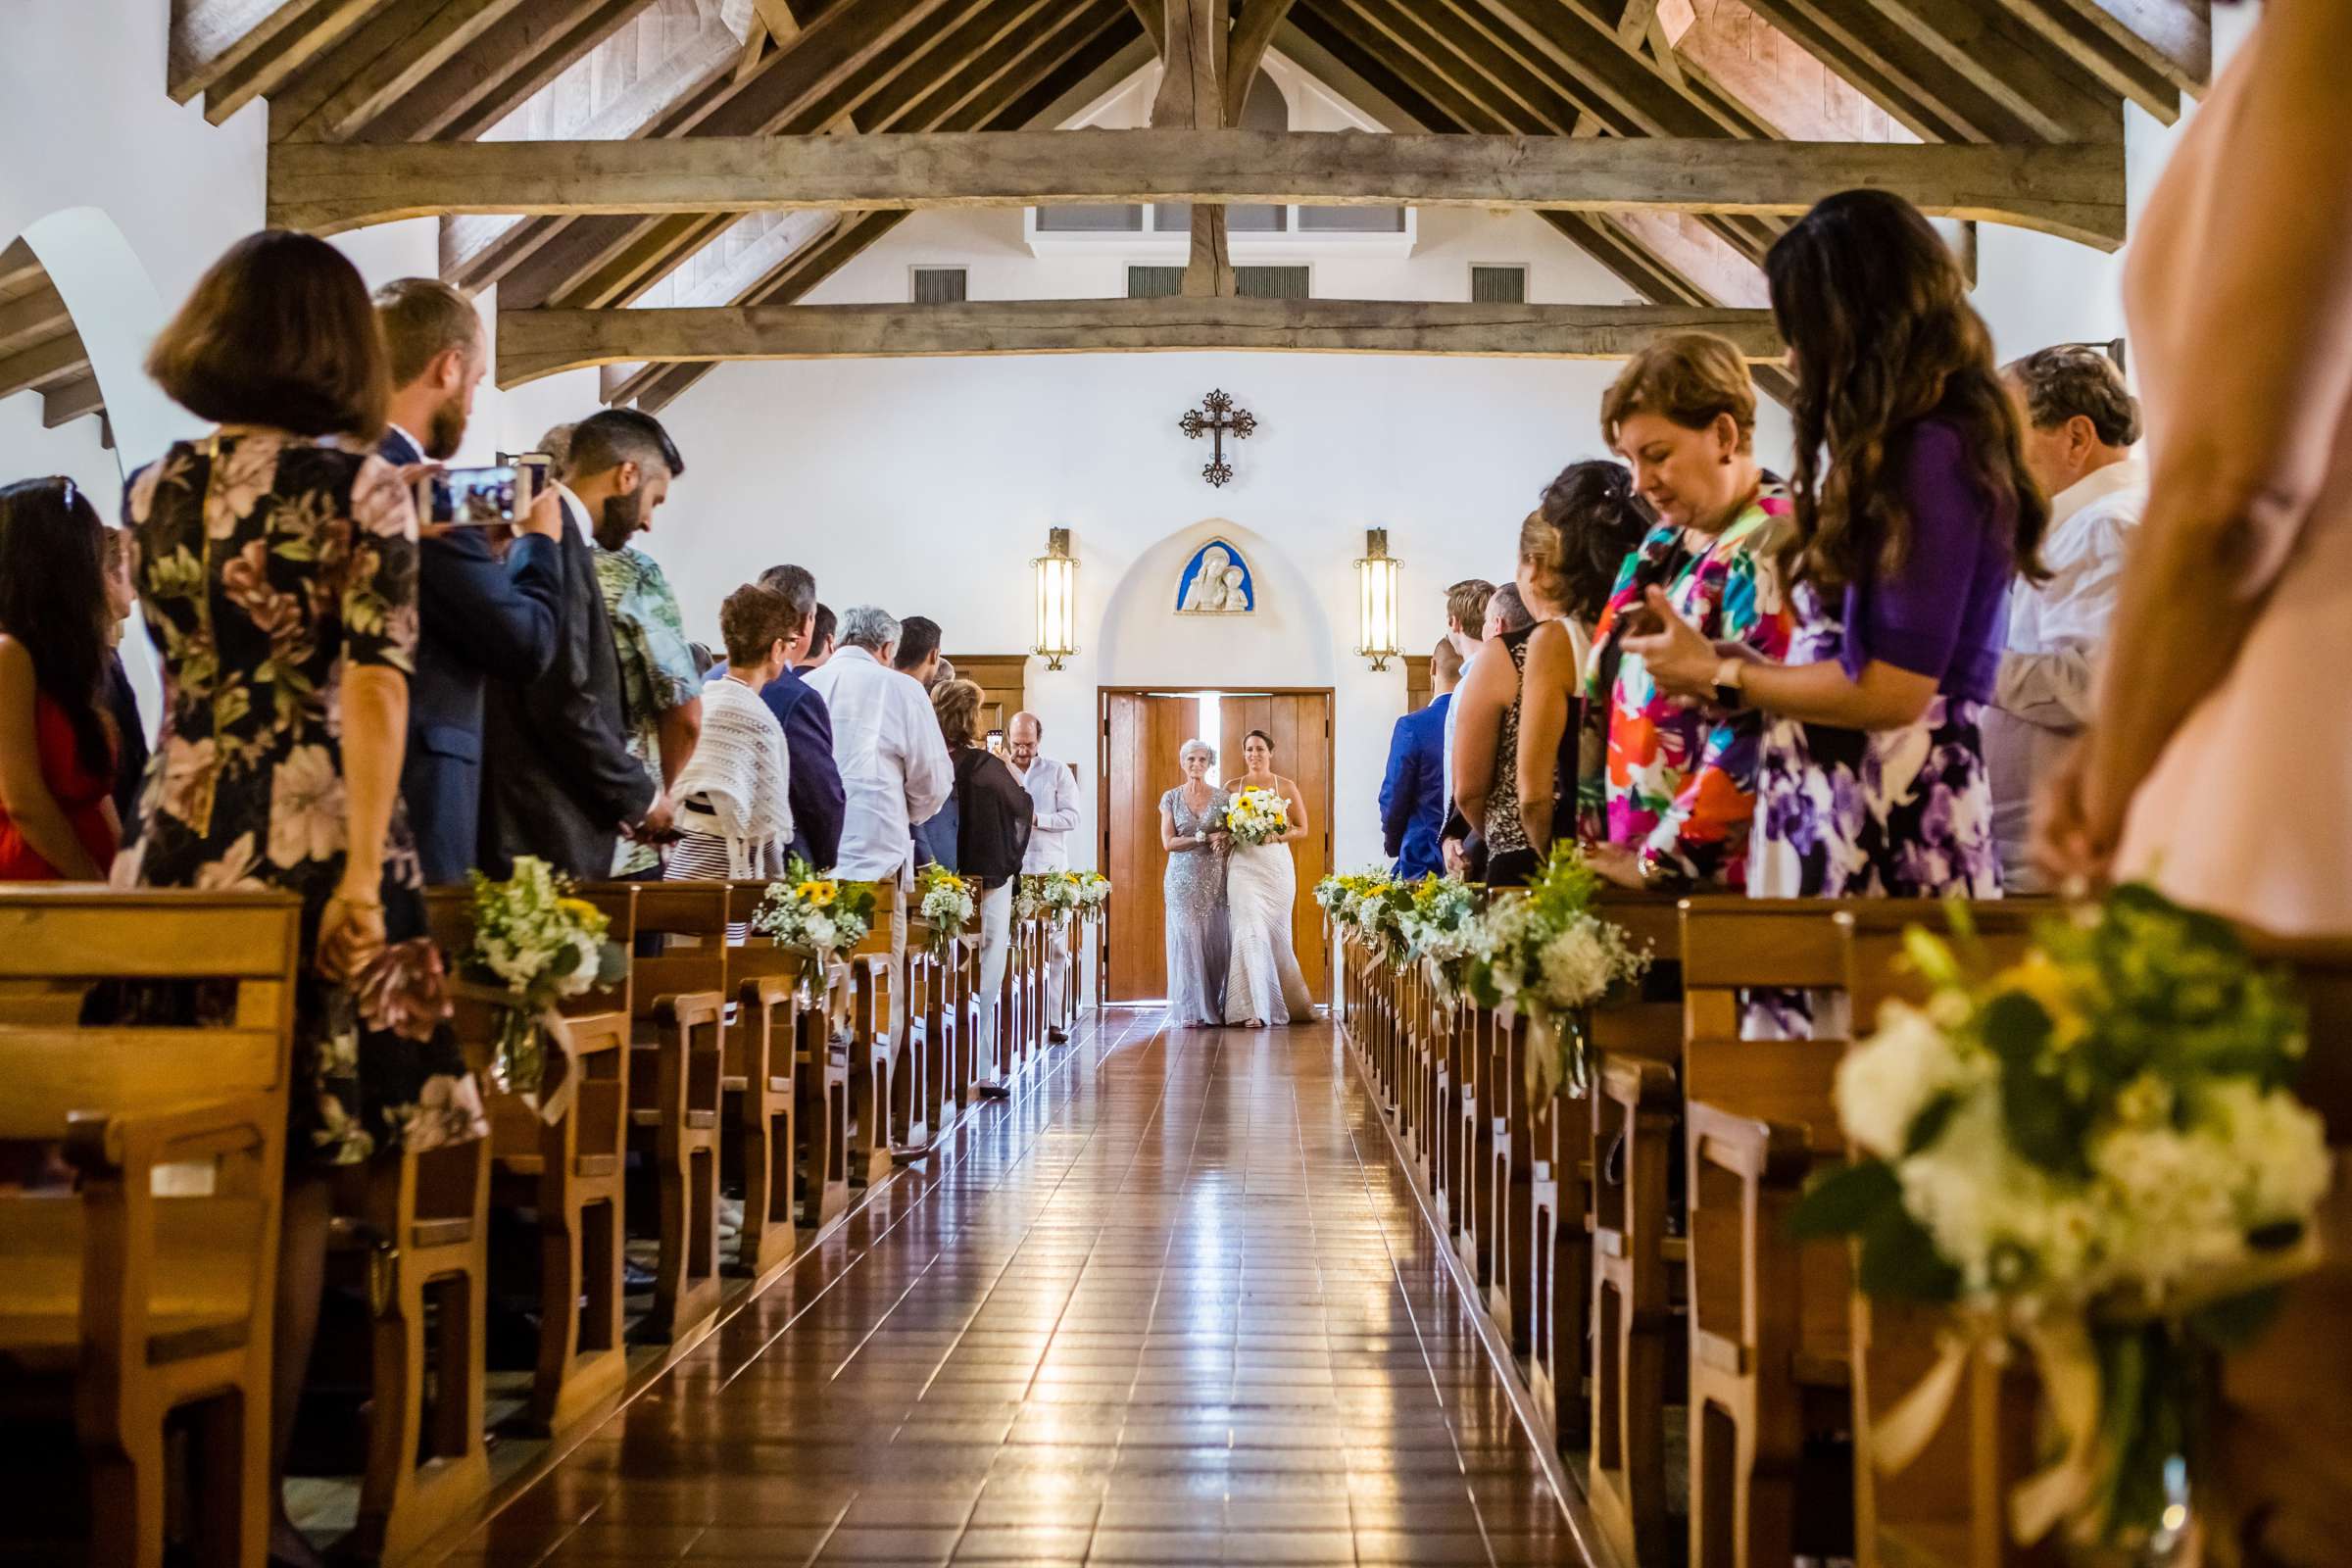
1054, 790
2080, 424
894, 768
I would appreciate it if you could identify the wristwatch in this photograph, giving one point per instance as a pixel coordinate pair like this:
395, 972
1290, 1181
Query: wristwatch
1731, 683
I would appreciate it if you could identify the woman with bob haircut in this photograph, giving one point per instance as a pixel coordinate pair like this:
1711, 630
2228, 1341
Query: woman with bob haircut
1666, 788
277, 574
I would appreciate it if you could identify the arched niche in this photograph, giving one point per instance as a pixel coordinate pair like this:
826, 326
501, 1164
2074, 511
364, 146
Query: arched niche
117, 312
1143, 641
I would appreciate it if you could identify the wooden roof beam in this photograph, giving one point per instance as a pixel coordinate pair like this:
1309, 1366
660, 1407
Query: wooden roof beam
403, 46
536, 343
1984, 45
1916, 78
2108, 52
1009, 43
500, 70
2074, 191
1039, 94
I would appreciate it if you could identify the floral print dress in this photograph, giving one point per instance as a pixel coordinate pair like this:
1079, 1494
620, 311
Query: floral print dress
658, 669
267, 564
1672, 781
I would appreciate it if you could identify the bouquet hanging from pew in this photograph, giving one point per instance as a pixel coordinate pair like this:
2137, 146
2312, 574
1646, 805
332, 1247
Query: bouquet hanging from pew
1258, 817
820, 913
534, 947
946, 901
2094, 1153
1547, 955
1090, 890
1030, 895
1439, 926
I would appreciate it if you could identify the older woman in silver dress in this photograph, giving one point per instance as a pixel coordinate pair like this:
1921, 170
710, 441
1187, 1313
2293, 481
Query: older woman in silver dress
1192, 829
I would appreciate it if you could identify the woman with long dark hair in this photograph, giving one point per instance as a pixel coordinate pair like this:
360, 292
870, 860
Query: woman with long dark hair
1912, 510
277, 572
57, 739
1571, 550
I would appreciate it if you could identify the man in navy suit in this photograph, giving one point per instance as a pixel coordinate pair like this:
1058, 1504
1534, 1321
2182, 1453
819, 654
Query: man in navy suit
815, 789
477, 616
1412, 797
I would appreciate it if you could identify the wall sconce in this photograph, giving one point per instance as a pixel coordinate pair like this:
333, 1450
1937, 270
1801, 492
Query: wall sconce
1056, 600
1376, 578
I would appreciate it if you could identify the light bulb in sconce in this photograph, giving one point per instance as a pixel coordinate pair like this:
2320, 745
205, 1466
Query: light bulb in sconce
1056, 600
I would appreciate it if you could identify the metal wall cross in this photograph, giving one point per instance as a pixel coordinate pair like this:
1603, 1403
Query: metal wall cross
1217, 419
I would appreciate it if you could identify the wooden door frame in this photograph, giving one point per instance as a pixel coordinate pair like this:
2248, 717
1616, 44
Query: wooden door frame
1103, 697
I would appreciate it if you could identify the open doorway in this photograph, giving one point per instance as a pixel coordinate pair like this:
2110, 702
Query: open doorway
1142, 730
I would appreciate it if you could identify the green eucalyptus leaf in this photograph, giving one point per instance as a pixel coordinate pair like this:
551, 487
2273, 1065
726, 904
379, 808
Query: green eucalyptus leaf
1844, 1198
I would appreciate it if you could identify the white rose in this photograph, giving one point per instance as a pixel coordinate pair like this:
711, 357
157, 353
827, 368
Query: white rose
1885, 1082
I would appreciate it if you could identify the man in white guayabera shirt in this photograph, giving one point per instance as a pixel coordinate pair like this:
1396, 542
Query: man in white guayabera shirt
1055, 789
894, 771
2082, 422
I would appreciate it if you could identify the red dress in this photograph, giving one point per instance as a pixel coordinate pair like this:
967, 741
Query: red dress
80, 793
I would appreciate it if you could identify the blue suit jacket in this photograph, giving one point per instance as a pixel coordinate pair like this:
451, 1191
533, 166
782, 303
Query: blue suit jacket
476, 619
815, 790
1412, 797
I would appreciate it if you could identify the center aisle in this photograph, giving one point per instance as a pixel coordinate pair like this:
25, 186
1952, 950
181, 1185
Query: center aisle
1176, 1307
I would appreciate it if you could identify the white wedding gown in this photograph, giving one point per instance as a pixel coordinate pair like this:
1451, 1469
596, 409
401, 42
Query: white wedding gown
1261, 977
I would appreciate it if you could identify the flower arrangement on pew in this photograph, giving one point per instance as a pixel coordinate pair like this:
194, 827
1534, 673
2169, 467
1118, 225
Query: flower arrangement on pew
819, 912
1438, 927
1547, 955
2097, 1154
945, 899
1353, 900
1258, 817
1081, 893
535, 946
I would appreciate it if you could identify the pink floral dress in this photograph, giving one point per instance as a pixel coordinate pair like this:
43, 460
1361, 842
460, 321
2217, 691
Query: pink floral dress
268, 566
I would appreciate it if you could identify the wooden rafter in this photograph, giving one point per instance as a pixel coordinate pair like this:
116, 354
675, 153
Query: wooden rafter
40, 350
537, 343
1021, 97
2075, 189
499, 71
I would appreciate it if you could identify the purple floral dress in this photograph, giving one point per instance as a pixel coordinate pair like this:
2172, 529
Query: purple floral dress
266, 566
1891, 813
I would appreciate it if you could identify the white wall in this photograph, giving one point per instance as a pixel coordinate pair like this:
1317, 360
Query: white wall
927, 486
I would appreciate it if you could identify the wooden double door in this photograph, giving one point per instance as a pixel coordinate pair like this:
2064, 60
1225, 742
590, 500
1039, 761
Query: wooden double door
1142, 732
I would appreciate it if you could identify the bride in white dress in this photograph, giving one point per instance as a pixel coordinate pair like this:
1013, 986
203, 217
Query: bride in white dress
1262, 982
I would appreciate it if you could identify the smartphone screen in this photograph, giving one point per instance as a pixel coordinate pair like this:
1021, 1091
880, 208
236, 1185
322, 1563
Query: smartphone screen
471, 498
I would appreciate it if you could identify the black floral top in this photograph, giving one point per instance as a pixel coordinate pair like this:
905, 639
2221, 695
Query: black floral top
266, 566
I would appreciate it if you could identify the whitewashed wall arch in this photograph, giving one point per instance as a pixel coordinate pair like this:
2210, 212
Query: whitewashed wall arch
1286, 641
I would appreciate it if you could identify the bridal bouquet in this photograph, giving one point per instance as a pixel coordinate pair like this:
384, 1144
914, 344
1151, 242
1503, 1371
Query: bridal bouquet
534, 946
1546, 954
946, 901
1258, 817
819, 912
2094, 1153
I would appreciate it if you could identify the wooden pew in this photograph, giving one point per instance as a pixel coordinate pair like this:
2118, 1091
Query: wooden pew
2278, 1488
573, 1175
761, 1080
877, 1093
1560, 1179
121, 1305
424, 1258
678, 1003
1949, 1505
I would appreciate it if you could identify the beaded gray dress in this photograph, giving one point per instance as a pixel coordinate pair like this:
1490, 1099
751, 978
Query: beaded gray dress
1196, 916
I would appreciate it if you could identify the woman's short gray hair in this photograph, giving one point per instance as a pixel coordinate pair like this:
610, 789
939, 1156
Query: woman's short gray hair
1192, 748
868, 626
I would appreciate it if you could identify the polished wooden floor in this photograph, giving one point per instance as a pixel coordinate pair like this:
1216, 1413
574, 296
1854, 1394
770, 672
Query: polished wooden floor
1176, 1307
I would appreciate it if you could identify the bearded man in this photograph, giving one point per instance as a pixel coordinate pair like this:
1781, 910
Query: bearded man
479, 618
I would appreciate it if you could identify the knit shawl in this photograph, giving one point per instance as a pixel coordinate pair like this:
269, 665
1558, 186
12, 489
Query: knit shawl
734, 786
